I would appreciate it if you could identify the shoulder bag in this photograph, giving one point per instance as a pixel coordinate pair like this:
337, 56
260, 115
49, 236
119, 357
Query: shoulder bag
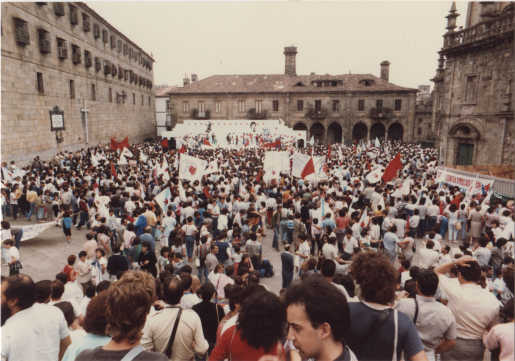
168, 351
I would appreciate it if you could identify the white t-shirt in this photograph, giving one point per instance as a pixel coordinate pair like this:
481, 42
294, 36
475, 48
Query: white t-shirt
43, 327
14, 253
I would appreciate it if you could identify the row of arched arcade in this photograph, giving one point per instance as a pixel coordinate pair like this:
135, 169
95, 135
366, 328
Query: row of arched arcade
360, 132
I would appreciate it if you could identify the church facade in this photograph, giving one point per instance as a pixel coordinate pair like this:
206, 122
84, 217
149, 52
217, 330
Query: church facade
331, 108
473, 93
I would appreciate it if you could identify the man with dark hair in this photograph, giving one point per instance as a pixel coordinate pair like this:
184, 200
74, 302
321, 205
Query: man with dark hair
475, 308
32, 331
328, 270
43, 291
318, 319
435, 322
189, 338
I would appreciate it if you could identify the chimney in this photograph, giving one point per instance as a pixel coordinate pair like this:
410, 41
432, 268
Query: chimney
185, 81
289, 60
385, 70
194, 78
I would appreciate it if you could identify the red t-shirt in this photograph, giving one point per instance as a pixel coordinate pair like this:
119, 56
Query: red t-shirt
68, 270
231, 344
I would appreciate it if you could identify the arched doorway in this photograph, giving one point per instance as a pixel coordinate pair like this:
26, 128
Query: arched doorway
317, 131
377, 131
334, 133
359, 132
465, 137
395, 132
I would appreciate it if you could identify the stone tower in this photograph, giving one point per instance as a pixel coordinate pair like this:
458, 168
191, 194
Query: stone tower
290, 52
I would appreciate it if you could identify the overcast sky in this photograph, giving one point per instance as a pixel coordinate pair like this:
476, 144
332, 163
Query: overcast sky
336, 37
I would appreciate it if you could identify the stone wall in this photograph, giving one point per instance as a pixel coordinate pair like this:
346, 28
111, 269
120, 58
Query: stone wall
25, 111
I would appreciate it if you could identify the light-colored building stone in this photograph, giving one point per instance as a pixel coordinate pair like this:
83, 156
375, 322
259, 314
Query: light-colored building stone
67, 55
329, 107
163, 116
473, 95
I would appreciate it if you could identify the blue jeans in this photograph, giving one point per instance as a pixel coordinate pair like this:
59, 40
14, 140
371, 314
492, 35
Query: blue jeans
443, 226
283, 230
275, 241
190, 244
32, 209
6, 210
202, 273
14, 210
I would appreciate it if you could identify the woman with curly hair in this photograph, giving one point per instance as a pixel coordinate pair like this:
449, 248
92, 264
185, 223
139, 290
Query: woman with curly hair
378, 332
260, 326
126, 308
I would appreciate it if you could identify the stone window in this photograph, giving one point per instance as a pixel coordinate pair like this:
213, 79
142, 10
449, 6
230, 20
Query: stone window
76, 58
201, 108
419, 131
398, 104
126, 75
134, 98
119, 47
471, 89
218, 107
336, 105
125, 49
379, 105
107, 67
86, 25
93, 92
105, 36
318, 105
361, 105
185, 107
149, 101
275, 105
110, 95
72, 89
259, 106
96, 31
21, 32
39, 83
62, 49
59, 9
300, 105
241, 106
74, 16
113, 42
142, 100
98, 64
44, 41
367, 82
87, 58
120, 72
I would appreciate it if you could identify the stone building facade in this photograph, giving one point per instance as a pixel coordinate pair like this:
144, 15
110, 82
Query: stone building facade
331, 108
473, 94
66, 55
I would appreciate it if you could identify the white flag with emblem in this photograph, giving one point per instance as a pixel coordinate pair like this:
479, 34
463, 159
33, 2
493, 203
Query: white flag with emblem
191, 168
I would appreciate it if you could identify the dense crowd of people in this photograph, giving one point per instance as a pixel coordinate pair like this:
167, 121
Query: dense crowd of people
408, 268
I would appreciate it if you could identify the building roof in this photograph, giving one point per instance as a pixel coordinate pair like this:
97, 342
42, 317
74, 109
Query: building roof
163, 91
280, 83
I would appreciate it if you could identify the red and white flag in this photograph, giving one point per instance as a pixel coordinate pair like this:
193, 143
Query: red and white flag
191, 168
302, 165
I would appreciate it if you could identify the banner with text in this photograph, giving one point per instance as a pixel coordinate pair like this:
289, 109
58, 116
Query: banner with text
471, 183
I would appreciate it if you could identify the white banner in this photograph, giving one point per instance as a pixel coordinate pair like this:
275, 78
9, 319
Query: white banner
191, 168
472, 184
33, 230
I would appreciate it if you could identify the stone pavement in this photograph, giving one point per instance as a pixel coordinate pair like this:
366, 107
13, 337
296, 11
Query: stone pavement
45, 256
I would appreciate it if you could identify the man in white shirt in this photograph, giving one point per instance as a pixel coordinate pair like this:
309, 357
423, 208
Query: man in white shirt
189, 338
475, 309
349, 243
32, 331
190, 285
426, 257
329, 249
